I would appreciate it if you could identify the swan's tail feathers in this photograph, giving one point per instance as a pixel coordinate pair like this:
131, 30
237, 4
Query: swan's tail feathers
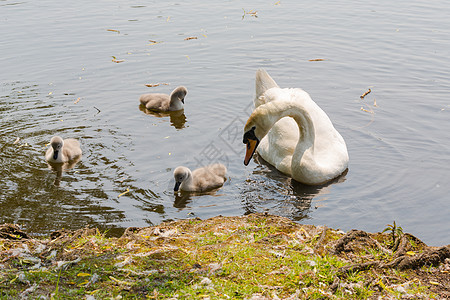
263, 82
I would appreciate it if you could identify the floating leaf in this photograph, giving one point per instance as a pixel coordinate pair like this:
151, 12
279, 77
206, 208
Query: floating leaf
23, 145
152, 42
113, 30
365, 94
127, 191
155, 84
317, 59
366, 110
76, 101
251, 13
191, 38
117, 60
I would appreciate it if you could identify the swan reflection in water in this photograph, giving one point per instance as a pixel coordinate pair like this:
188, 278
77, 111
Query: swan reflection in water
182, 198
269, 190
177, 118
60, 168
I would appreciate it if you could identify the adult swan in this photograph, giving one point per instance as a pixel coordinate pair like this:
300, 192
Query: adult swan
292, 133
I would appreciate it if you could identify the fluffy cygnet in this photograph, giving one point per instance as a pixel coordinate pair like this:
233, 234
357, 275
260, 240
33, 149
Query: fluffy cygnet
164, 102
61, 151
200, 180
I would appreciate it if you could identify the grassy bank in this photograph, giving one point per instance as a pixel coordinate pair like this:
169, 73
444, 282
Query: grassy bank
252, 257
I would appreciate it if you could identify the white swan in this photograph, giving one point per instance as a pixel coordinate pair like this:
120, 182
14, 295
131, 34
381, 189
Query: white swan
302, 141
61, 151
201, 179
164, 102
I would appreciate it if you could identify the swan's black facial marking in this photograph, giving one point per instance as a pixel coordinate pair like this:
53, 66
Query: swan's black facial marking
250, 135
252, 143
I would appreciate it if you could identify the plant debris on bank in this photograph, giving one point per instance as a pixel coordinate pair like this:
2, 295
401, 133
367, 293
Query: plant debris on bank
258, 256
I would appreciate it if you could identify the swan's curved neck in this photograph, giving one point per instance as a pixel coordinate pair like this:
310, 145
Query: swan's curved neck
303, 158
279, 110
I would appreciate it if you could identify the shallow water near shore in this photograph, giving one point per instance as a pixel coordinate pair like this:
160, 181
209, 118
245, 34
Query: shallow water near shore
77, 70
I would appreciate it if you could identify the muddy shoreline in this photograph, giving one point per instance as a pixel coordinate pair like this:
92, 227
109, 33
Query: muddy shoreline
258, 256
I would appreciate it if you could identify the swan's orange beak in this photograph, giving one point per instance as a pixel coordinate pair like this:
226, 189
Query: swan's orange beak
251, 147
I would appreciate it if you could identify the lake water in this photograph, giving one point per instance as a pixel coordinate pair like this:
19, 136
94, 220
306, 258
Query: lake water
58, 77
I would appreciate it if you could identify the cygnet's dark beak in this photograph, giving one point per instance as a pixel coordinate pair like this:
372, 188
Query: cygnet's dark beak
55, 154
182, 100
177, 186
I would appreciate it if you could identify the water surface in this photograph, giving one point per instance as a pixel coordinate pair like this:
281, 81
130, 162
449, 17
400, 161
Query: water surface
58, 77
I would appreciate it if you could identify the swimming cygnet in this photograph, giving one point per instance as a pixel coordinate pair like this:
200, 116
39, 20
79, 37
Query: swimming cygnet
202, 179
61, 151
164, 102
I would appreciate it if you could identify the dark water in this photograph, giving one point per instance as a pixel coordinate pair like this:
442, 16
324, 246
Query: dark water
58, 77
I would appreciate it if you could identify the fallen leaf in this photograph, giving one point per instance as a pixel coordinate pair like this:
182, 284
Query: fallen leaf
83, 274
50, 93
76, 101
277, 3
190, 38
113, 30
119, 281
317, 59
412, 253
83, 283
434, 282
